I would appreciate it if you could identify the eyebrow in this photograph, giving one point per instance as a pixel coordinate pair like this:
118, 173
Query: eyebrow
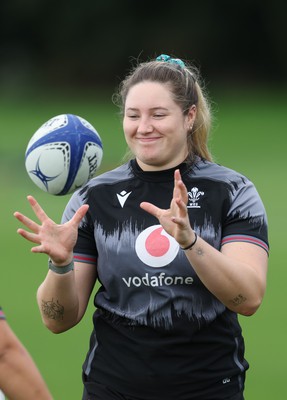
153, 108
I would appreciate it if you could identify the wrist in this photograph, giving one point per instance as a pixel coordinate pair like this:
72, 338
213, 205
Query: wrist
191, 244
63, 269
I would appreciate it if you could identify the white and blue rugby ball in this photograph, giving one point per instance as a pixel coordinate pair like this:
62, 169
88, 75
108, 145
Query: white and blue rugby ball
63, 154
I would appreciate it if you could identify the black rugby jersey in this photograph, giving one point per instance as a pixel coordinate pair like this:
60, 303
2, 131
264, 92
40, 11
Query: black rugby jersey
158, 332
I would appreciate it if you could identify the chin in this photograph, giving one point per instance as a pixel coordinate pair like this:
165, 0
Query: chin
152, 164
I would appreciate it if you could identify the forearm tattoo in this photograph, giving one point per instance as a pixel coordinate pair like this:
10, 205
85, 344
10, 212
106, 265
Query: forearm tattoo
199, 251
53, 310
238, 300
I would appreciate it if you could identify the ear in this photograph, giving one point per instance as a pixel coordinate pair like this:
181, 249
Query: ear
191, 115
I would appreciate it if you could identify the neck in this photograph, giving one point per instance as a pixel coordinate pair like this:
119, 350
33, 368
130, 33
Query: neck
159, 167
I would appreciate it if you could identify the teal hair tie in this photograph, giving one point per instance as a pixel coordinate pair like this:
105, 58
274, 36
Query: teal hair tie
163, 57
166, 58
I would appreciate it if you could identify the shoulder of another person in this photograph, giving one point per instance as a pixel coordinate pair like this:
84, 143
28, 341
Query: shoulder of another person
2, 315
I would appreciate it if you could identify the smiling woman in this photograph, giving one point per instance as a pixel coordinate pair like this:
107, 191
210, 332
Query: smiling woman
155, 126
170, 96
178, 244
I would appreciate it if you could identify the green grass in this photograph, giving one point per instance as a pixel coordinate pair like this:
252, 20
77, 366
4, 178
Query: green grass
249, 136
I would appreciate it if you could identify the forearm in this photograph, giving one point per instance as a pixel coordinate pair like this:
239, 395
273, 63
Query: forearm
237, 284
58, 301
19, 377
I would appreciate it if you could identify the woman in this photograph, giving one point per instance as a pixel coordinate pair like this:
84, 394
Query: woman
178, 244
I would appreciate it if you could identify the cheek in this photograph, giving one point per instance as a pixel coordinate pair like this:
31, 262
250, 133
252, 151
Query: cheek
128, 133
126, 129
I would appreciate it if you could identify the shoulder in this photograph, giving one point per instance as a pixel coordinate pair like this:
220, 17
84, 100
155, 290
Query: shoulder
117, 174
121, 173
90, 191
114, 176
213, 171
240, 190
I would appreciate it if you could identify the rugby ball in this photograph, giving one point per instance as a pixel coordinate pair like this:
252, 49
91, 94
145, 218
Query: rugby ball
63, 154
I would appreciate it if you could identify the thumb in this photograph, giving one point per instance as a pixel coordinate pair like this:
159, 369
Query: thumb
80, 213
150, 208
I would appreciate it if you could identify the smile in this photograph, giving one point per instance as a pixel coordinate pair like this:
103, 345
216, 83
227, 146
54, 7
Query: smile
148, 139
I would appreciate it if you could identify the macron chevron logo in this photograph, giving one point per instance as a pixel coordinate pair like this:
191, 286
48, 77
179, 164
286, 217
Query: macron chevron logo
122, 197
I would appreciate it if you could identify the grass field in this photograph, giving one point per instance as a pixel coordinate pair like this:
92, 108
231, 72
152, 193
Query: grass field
249, 136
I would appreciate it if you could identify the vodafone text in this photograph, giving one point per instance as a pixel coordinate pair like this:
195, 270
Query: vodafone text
157, 280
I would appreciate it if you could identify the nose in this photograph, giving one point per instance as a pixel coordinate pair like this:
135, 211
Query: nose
144, 126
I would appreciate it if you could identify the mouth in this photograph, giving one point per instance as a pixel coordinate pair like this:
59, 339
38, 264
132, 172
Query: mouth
148, 139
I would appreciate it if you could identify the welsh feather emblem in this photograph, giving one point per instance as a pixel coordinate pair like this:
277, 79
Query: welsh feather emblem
194, 197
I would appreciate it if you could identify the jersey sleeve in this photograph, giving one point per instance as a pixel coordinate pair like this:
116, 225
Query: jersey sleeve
85, 249
246, 220
2, 315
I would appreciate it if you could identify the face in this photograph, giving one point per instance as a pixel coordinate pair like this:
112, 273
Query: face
155, 127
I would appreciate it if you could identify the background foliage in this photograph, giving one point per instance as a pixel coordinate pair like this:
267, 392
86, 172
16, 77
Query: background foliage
58, 57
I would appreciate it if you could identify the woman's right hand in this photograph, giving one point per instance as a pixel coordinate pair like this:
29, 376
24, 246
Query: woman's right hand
55, 240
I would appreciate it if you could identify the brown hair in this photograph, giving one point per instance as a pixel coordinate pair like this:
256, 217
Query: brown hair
184, 83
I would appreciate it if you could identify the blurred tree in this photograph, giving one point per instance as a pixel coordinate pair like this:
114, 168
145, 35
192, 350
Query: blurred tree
60, 43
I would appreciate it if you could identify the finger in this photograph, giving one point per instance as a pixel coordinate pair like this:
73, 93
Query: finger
177, 175
177, 178
179, 187
34, 239
182, 188
182, 207
39, 249
33, 226
79, 214
29, 236
151, 209
179, 221
38, 210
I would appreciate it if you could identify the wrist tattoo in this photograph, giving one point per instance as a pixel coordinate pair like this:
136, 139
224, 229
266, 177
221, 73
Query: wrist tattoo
53, 310
238, 300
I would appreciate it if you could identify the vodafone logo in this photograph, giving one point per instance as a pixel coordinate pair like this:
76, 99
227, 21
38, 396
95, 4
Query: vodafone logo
155, 247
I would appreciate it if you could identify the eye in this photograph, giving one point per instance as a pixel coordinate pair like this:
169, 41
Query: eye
159, 115
132, 116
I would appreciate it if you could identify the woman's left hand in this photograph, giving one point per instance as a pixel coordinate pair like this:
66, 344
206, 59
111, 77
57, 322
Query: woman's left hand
175, 220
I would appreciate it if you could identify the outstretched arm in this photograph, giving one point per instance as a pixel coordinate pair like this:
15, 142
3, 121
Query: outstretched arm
62, 298
236, 275
20, 378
